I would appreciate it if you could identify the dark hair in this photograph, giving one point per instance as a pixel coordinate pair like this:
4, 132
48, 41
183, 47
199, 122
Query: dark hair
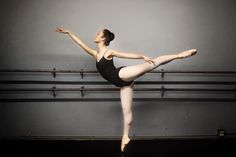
109, 36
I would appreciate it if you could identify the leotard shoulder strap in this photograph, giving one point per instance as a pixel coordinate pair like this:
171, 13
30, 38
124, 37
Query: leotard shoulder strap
101, 57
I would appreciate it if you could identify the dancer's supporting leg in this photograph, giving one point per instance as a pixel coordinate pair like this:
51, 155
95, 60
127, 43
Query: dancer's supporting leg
126, 95
130, 73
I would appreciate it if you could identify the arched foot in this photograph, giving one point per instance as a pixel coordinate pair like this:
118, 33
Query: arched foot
125, 141
187, 53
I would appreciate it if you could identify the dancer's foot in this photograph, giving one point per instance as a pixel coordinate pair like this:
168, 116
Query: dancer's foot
124, 142
187, 53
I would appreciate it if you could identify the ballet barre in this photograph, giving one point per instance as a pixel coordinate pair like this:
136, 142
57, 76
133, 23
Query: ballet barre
54, 90
82, 72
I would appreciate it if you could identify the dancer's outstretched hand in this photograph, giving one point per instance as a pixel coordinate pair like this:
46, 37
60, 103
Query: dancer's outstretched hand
62, 30
149, 60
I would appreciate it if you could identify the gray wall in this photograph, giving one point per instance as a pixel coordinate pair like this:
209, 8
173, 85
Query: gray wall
153, 27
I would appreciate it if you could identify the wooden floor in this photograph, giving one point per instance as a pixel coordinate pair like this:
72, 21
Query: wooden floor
223, 147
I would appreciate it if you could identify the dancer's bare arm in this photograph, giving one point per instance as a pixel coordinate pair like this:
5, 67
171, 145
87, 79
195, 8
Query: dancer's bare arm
131, 56
75, 38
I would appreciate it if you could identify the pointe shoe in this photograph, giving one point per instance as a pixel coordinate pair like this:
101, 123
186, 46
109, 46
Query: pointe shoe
187, 53
124, 144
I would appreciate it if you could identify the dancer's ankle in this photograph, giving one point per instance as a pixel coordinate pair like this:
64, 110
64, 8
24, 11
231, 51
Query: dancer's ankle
125, 136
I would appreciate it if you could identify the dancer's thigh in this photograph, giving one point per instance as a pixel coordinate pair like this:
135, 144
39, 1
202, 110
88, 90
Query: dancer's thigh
130, 73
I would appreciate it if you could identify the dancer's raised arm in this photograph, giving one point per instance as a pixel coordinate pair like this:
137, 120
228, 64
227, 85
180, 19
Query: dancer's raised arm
75, 38
131, 56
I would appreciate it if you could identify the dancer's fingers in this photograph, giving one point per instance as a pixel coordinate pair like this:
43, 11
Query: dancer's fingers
61, 30
58, 30
151, 61
147, 59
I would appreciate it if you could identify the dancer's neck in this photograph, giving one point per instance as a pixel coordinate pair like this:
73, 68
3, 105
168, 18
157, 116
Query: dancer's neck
101, 47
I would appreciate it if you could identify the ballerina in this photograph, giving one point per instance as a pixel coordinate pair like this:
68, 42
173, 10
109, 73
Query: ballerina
124, 76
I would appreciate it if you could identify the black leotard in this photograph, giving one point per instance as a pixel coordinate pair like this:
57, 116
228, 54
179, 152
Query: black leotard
110, 72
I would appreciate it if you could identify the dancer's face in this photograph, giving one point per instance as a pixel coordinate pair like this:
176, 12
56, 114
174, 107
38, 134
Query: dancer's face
99, 37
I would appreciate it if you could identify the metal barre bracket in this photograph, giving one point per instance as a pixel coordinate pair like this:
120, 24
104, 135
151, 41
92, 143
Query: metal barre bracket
162, 74
53, 91
54, 72
163, 89
82, 73
82, 91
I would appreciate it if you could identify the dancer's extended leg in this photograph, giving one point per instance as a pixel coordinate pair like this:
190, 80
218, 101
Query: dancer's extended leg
130, 73
126, 95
